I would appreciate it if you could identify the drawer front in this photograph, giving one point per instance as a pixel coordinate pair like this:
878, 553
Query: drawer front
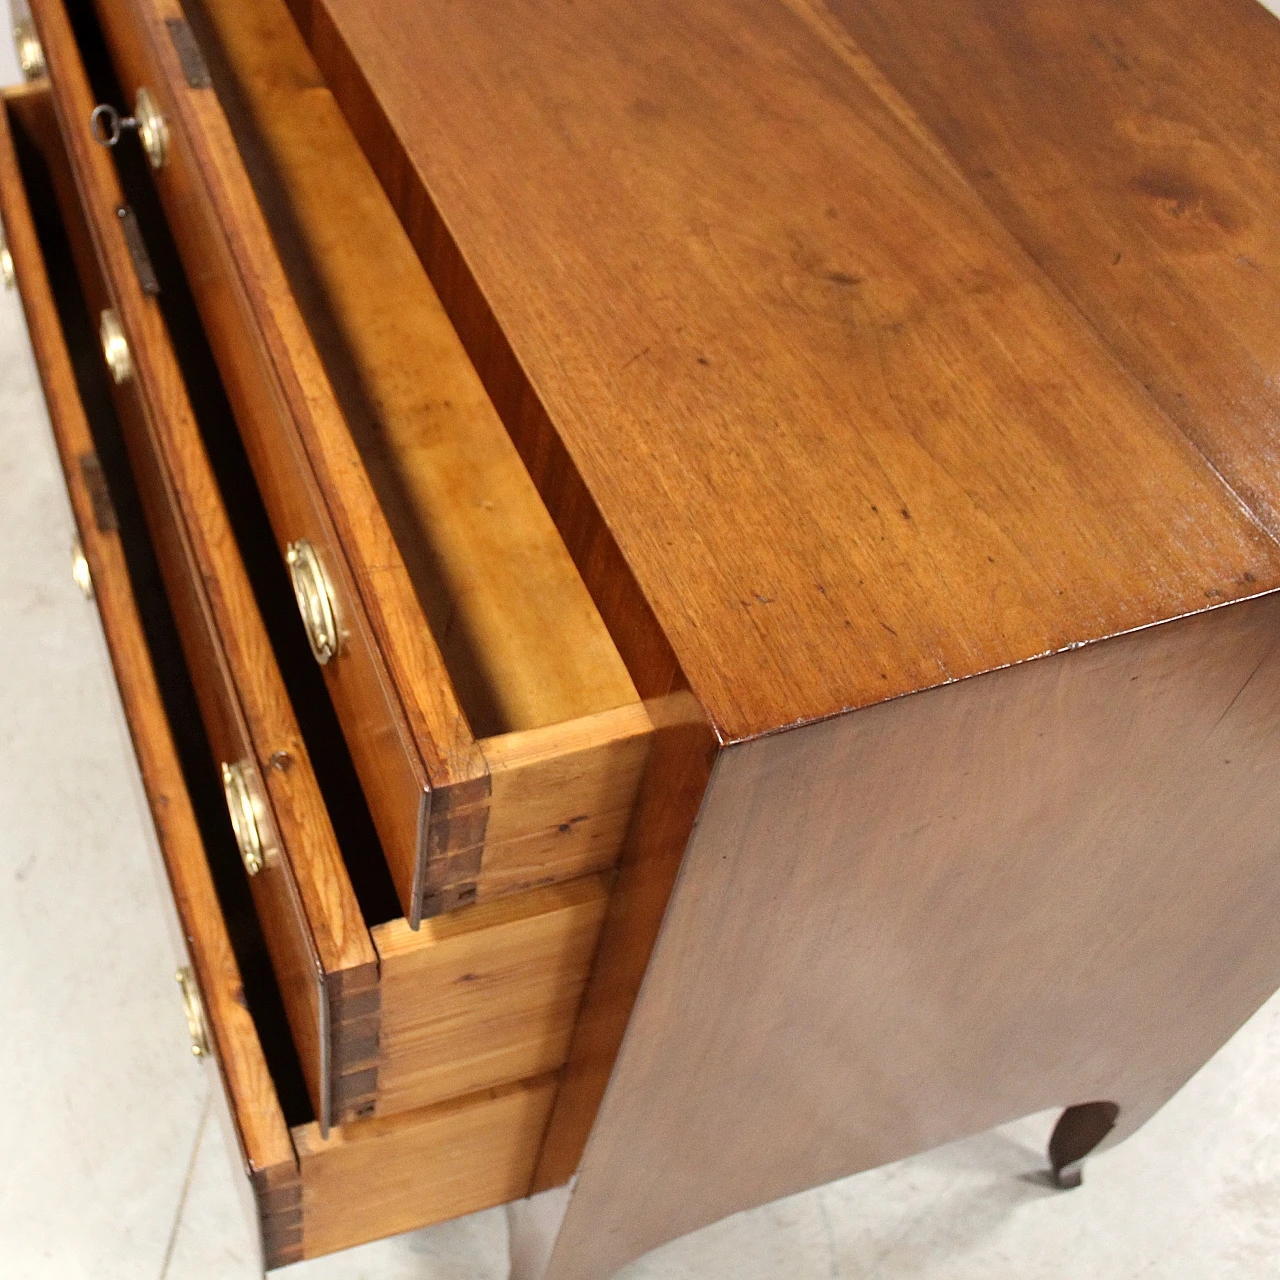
423, 775
571, 754
404, 1018
310, 1193
263, 1139
319, 944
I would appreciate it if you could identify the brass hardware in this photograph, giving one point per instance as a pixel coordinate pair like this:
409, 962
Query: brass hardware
153, 129
115, 346
248, 814
30, 51
106, 125
6, 262
80, 568
193, 1006
314, 594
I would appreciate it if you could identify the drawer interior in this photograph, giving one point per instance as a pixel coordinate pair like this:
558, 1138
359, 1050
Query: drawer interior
364, 1179
522, 640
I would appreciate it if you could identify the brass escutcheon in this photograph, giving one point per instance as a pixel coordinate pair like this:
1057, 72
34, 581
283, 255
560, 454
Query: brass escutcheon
314, 594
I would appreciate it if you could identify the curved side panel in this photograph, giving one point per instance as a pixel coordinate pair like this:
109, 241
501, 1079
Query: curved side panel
913, 922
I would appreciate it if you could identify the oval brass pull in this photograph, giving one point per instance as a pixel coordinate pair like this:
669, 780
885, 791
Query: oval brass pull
30, 51
115, 346
193, 1006
314, 593
80, 568
106, 125
248, 816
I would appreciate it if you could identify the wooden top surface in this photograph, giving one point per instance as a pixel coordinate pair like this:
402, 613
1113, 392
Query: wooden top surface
851, 440
1133, 146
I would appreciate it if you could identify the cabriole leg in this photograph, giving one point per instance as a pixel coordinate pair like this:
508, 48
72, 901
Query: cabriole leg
1078, 1132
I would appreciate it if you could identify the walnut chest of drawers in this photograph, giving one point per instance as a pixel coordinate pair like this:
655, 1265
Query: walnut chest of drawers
687, 619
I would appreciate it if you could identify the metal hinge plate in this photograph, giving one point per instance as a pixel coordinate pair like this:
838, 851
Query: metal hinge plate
194, 68
104, 512
138, 251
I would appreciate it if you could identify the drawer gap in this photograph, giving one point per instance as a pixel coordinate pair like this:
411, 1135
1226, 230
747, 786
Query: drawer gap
262, 996
268, 577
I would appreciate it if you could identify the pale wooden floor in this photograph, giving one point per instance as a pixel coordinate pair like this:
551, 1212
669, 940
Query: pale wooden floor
112, 1166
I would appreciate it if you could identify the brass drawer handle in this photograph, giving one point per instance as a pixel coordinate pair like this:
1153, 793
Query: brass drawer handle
106, 125
314, 594
115, 346
193, 1006
248, 814
80, 568
30, 51
6, 262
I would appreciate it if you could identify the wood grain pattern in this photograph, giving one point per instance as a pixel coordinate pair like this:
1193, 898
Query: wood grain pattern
1053, 884
845, 344
524, 646
523, 643
480, 999
389, 683
1130, 148
365, 1180
737, 246
683, 754
379, 1177
391, 773
262, 1138
608, 578
311, 920
523, 961
562, 799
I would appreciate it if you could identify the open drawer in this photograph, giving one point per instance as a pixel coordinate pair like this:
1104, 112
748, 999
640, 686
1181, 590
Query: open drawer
384, 1018
311, 1193
497, 735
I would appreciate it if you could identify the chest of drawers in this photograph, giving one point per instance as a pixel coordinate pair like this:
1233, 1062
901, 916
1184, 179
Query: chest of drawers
672, 618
